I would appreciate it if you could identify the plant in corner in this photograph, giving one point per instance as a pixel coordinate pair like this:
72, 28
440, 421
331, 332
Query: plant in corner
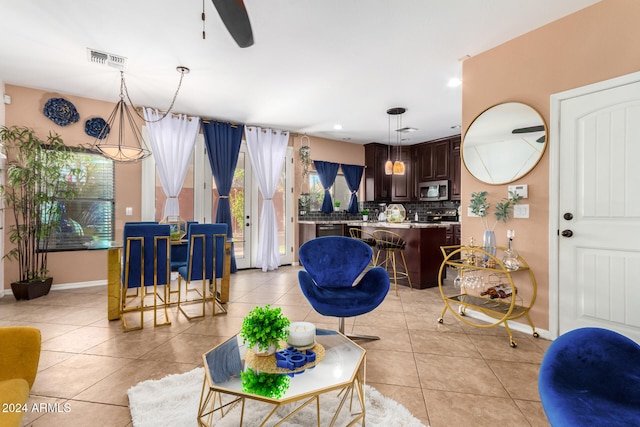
264, 327
38, 175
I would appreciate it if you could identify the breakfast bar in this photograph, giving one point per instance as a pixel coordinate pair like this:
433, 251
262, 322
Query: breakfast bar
423, 241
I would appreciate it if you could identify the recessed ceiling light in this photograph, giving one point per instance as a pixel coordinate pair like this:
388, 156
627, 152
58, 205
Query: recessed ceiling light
337, 126
454, 82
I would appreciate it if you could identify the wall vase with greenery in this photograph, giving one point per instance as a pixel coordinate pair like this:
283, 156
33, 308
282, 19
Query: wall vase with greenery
38, 175
480, 207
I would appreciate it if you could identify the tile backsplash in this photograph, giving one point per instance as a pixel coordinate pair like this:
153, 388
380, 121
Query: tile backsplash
374, 209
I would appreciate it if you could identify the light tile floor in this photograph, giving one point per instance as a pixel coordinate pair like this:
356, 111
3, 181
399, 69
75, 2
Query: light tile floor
446, 375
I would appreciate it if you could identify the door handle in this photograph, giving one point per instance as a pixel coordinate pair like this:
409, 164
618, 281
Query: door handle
568, 216
567, 233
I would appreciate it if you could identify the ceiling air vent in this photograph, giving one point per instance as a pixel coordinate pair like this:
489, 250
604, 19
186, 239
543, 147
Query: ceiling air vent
108, 59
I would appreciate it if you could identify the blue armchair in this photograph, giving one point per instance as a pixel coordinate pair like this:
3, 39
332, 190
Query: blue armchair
591, 377
205, 261
332, 265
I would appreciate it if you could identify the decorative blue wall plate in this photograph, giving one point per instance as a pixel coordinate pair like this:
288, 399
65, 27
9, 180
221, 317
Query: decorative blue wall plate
61, 111
97, 127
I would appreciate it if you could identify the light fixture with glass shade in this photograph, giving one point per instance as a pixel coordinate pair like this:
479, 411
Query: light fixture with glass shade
120, 138
398, 167
388, 166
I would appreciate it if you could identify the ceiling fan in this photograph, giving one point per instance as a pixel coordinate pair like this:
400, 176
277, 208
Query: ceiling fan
234, 16
530, 129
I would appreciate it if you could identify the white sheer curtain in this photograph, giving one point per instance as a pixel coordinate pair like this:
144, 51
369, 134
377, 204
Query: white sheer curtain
172, 140
267, 149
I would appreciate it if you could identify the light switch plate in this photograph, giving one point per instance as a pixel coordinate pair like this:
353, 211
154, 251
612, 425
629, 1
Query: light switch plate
521, 211
522, 190
128, 211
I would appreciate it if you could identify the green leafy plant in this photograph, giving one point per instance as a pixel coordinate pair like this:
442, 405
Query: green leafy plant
480, 207
265, 384
264, 326
39, 175
365, 211
336, 203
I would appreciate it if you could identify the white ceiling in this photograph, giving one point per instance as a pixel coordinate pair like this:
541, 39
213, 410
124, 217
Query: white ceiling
314, 64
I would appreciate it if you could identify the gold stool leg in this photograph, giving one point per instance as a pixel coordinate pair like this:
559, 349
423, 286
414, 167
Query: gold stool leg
406, 270
395, 273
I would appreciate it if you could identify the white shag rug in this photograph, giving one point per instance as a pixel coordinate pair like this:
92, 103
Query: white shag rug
174, 400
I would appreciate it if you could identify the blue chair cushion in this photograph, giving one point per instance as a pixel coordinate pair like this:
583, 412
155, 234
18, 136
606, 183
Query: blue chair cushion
148, 232
332, 264
351, 301
209, 230
335, 261
591, 377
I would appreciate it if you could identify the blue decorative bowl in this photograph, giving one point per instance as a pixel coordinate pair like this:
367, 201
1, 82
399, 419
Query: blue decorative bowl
97, 127
61, 111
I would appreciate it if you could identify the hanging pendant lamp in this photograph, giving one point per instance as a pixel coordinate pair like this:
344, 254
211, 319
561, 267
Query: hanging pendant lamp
388, 166
120, 138
398, 167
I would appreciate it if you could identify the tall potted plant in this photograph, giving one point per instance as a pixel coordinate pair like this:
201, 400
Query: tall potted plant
38, 174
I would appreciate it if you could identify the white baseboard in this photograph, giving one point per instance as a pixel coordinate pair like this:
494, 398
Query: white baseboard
520, 327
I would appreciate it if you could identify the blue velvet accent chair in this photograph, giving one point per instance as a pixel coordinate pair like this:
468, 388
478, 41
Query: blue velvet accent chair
331, 266
146, 261
591, 377
205, 261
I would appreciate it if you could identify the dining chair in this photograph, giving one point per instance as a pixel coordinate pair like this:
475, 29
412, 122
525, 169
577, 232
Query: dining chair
146, 261
205, 260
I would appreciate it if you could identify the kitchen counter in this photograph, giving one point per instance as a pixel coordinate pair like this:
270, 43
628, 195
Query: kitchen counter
384, 224
423, 241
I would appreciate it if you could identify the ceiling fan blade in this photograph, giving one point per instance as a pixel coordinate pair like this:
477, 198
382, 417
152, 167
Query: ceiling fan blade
235, 18
529, 129
542, 139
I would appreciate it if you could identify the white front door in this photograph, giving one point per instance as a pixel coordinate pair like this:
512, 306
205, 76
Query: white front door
598, 210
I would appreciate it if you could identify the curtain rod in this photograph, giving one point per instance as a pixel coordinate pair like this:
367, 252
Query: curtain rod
204, 120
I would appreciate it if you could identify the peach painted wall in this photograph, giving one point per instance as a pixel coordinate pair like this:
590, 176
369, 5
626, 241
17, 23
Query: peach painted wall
26, 110
591, 45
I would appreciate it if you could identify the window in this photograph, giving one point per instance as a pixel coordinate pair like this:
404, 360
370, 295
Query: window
339, 191
87, 221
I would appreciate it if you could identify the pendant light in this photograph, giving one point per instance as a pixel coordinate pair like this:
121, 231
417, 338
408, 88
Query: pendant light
398, 166
133, 149
388, 166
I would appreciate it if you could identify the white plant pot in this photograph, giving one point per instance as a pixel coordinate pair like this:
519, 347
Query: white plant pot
271, 350
365, 217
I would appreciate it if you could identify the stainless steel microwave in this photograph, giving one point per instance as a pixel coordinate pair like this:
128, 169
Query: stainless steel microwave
432, 191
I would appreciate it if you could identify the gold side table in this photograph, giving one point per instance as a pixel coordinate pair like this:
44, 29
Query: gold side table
342, 369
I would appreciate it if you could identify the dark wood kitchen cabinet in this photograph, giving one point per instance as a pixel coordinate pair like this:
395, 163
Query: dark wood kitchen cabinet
455, 169
403, 188
433, 161
377, 185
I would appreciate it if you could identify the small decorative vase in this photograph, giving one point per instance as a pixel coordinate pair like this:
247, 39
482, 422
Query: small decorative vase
262, 352
489, 242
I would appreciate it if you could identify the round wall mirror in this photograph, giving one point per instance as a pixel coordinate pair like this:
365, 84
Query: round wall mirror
504, 143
